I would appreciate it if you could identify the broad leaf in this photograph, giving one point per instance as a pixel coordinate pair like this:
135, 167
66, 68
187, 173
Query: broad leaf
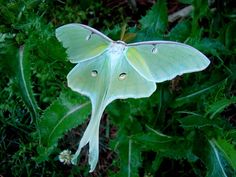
211, 46
218, 106
216, 164
69, 111
180, 32
194, 121
155, 20
228, 150
24, 80
207, 151
196, 94
130, 158
164, 144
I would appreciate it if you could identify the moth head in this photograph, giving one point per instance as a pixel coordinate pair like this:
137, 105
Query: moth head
118, 47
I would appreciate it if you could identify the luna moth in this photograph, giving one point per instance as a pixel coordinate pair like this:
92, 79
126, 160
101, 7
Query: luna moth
107, 70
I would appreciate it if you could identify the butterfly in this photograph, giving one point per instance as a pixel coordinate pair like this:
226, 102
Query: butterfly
107, 70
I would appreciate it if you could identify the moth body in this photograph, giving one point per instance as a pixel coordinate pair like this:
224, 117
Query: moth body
116, 53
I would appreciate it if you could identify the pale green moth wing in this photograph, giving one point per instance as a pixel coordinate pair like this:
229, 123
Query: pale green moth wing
82, 42
109, 70
104, 79
159, 61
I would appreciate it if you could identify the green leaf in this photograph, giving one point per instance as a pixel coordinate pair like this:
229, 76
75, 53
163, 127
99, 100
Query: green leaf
194, 121
67, 112
211, 46
156, 19
196, 94
129, 154
130, 159
218, 106
230, 36
180, 32
186, 1
6, 15
231, 134
158, 142
228, 150
156, 163
200, 10
24, 80
207, 151
151, 141
15, 63
216, 162
8, 52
